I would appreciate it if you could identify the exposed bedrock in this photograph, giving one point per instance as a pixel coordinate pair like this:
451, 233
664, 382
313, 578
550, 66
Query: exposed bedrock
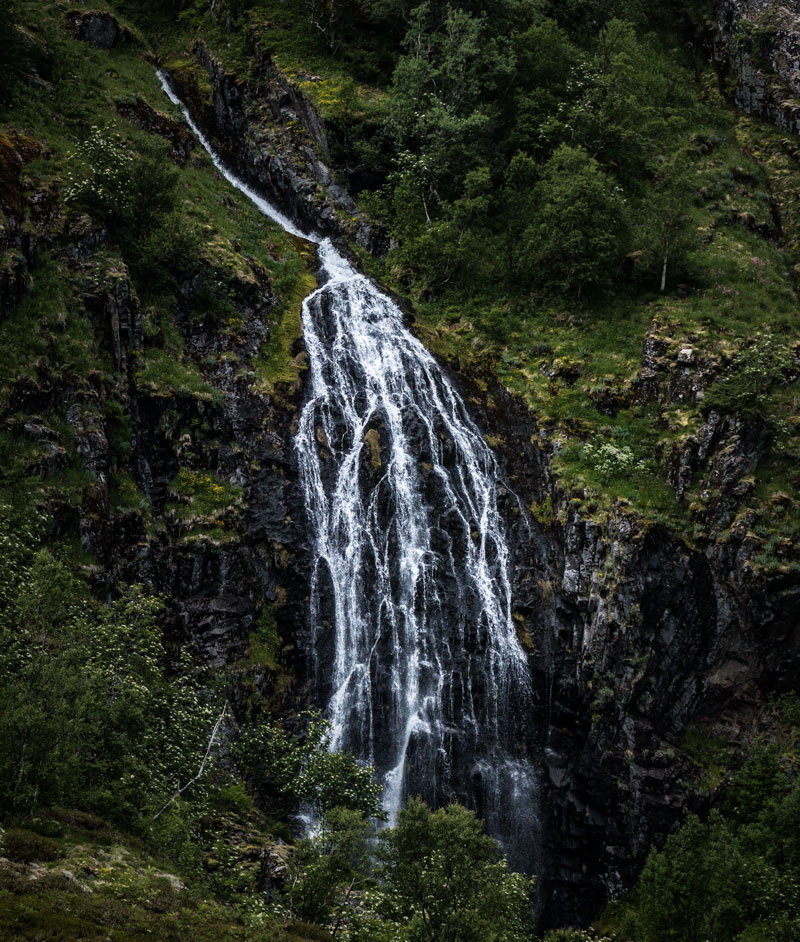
632, 633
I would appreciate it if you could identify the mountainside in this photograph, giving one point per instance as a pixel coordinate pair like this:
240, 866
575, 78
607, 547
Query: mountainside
640, 400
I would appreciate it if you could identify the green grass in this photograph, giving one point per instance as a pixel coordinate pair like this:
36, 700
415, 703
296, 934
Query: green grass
570, 363
711, 754
160, 374
52, 342
93, 882
276, 365
46, 334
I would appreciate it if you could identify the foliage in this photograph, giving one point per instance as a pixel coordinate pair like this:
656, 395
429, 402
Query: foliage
445, 880
129, 191
88, 716
329, 870
667, 234
734, 877
581, 233
12, 54
610, 459
304, 771
749, 381
787, 706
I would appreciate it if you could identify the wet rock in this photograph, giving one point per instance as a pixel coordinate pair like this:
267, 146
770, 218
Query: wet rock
275, 139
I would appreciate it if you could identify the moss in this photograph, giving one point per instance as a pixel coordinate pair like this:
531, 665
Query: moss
710, 753
193, 83
373, 440
522, 632
16, 149
205, 508
542, 511
263, 646
162, 375
24, 846
276, 364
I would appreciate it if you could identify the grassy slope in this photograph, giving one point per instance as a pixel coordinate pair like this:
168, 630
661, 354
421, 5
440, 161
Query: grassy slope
69, 875
50, 338
563, 361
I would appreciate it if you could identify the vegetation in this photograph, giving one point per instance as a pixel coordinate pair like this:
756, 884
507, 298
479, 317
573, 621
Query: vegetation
734, 876
560, 180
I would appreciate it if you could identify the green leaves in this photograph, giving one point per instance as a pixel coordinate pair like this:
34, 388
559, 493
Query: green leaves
88, 717
733, 878
303, 770
748, 383
582, 231
446, 881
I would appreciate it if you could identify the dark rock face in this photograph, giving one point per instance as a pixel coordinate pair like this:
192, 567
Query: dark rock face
759, 42
635, 635
216, 587
98, 28
275, 140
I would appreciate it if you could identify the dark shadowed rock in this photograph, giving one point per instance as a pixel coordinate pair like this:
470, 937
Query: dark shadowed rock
99, 28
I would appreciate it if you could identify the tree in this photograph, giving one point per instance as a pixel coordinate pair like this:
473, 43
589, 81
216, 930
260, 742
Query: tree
581, 232
732, 878
440, 116
328, 869
666, 211
749, 382
88, 716
133, 192
545, 60
446, 881
301, 770
518, 210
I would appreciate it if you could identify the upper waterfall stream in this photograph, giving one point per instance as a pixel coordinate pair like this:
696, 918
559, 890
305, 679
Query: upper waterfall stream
415, 651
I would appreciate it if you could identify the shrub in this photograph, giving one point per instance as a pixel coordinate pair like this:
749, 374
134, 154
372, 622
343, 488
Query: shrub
751, 378
24, 846
610, 460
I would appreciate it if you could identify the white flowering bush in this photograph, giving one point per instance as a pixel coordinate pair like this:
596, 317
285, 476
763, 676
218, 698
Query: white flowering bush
101, 174
134, 192
300, 771
89, 717
610, 459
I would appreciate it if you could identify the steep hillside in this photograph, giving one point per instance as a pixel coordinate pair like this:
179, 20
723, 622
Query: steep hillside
609, 279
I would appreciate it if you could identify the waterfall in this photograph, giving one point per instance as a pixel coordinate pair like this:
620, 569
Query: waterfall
415, 653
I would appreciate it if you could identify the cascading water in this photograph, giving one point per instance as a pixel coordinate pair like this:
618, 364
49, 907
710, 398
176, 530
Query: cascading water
415, 650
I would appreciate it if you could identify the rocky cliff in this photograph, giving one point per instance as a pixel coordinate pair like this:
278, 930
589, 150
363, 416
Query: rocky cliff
635, 633
758, 41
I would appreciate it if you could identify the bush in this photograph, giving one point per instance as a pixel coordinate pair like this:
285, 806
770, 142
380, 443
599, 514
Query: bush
24, 846
445, 878
132, 192
610, 460
581, 232
756, 370
303, 771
